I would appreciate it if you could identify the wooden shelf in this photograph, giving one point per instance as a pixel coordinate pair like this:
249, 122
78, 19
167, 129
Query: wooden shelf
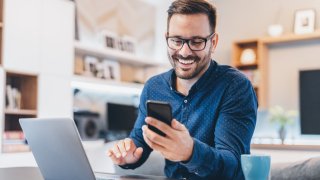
20, 102
291, 38
261, 48
18, 73
286, 147
117, 55
247, 66
246, 42
27, 85
23, 112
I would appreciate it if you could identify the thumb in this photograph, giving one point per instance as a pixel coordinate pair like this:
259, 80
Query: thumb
177, 125
138, 152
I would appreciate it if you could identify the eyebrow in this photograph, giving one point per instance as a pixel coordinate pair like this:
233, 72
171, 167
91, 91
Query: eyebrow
192, 37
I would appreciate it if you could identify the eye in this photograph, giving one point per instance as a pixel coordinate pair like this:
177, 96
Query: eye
196, 42
176, 41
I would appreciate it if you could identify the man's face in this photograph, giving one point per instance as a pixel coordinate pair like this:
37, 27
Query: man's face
187, 63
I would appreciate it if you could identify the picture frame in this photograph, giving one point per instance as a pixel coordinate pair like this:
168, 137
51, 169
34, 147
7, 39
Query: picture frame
304, 21
110, 39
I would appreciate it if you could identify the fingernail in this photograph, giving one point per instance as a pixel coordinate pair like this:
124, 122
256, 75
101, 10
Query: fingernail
148, 120
144, 127
124, 154
109, 154
127, 148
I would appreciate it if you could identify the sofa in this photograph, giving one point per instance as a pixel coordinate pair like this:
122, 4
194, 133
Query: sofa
301, 170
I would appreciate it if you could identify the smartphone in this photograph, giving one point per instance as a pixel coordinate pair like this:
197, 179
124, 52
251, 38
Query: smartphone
161, 111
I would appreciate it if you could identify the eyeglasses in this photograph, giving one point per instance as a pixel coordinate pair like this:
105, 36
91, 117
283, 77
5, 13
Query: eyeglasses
195, 44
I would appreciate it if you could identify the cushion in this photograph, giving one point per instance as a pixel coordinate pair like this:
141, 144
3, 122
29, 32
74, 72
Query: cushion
306, 170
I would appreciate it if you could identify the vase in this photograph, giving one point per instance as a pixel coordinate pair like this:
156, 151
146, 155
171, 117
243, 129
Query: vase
282, 134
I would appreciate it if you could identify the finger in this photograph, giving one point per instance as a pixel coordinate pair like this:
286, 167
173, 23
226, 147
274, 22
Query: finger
152, 145
159, 125
127, 143
177, 125
116, 151
109, 153
155, 137
146, 140
114, 159
138, 152
122, 149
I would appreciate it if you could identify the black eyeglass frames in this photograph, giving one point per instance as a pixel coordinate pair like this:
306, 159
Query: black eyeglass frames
195, 44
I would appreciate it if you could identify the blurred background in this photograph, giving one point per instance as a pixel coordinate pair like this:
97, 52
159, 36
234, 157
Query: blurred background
89, 59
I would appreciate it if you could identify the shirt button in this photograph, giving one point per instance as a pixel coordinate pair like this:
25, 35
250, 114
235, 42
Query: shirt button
185, 101
196, 172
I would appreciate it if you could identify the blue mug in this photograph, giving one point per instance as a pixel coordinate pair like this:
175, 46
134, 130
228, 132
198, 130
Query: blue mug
255, 167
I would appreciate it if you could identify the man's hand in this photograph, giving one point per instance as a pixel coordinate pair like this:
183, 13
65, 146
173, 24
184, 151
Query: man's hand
125, 152
177, 145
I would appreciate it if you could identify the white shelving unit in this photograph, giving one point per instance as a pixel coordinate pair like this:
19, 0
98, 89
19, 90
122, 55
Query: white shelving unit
124, 58
111, 86
117, 55
37, 54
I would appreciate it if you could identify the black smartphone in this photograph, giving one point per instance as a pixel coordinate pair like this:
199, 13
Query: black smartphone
161, 111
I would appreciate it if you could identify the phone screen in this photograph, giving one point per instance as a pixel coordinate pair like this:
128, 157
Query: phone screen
161, 111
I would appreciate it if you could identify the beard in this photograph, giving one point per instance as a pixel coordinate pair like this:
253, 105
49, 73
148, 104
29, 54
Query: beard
198, 66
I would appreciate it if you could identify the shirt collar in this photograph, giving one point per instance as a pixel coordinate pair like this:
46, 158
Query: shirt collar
203, 80
200, 83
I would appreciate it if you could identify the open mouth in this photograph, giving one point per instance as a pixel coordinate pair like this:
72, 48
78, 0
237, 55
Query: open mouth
186, 62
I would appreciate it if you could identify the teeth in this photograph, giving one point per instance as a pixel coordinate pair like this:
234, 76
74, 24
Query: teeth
186, 61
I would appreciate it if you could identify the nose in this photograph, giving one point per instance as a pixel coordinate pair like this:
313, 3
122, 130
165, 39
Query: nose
185, 50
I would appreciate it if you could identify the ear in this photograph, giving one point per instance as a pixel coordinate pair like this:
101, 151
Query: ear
166, 34
214, 41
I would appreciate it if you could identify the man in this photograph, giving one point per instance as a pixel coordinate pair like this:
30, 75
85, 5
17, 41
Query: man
214, 106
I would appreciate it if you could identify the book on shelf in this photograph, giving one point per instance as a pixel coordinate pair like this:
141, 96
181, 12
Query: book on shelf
13, 97
10, 148
13, 135
14, 141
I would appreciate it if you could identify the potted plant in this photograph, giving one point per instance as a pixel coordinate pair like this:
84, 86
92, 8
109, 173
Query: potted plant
283, 118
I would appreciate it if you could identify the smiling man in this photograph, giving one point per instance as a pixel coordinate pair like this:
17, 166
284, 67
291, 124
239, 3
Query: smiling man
214, 106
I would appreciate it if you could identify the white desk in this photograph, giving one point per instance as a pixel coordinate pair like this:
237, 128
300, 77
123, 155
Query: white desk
100, 162
33, 173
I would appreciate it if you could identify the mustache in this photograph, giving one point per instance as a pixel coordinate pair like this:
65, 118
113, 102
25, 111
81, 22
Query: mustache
190, 57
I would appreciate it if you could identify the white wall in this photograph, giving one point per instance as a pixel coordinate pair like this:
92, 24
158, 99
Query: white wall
249, 19
161, 29
56, 59
285, 63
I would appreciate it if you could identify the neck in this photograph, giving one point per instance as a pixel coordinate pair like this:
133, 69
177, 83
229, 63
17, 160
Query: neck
184, 85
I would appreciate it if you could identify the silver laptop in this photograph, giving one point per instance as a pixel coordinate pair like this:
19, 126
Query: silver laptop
58, 151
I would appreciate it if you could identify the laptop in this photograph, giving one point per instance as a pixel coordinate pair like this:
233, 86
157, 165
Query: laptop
58, 151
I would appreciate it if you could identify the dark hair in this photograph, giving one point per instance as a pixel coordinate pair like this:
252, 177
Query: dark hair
188, 7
